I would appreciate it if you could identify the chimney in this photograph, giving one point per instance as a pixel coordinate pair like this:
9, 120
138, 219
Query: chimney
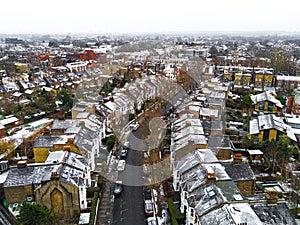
272, 197
188, 123
22, 164
237, 158
55, 176
111, 98
70, 140
211, 176
67, 148
82, 124
290, 104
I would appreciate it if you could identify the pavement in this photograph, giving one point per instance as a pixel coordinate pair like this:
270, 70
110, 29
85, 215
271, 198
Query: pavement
104, 215
106, 200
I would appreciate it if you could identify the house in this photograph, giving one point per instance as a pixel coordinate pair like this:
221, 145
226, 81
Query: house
273, 214
60, 183
283, 82
208, 113
203, 200
263, 78
221, 146
255, 156
193, 163
85, 132
242, 79
77, 66
268, 127
242, 175
231, 214
66, 190
43, 145
10, 121
60, 126
83, 106
267, 102
293, 103
187, 144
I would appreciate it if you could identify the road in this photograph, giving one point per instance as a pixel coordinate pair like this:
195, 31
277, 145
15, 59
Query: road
129, 207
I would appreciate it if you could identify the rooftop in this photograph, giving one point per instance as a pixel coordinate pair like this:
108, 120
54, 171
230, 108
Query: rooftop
239, 172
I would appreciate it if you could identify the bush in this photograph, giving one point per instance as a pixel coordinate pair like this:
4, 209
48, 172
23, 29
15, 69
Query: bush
110, 143
175, 215
93, 208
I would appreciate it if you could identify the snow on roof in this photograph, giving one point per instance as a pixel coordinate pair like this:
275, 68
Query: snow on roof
243, 213
287, 78
255, 152
84, 218
110, 105
9, 120
270, 121
266, 96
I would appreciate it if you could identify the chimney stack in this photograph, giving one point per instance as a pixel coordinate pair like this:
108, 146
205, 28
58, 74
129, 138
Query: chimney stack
237, 158
272, 197
22, 164
211, 176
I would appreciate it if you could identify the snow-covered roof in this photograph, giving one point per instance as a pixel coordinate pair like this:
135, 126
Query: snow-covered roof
266, 96
270, 121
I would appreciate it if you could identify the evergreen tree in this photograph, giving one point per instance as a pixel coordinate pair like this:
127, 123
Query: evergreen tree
35, 214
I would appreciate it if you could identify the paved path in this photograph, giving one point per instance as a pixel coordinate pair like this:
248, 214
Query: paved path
104, 215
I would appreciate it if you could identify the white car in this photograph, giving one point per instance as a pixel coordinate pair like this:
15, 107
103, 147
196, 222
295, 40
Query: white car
134, 126
151, 221
126, 144
121, 165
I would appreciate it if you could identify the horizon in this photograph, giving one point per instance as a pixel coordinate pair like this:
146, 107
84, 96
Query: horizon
132, 16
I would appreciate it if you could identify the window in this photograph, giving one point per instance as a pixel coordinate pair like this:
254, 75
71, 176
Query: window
278, 135
261, 105
192, 212
266, 135
270, 106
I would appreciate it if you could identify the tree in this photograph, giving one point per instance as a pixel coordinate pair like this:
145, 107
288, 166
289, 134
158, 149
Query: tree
6, 147
111, 141
281, 151
35, 214
251, 142
66, 98
280, 60
213, 51
247, 103
282, 99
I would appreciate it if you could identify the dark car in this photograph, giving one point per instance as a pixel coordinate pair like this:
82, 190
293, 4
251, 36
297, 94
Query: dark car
147, 193
118, 188
123, 153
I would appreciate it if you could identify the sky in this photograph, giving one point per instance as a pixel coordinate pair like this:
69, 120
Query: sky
139, 16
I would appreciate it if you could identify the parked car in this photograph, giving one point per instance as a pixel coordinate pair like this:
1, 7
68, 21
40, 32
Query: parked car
151, 221
118, 188
126, 145
121, 165
123, 153
134, 126
149, 208
147, 193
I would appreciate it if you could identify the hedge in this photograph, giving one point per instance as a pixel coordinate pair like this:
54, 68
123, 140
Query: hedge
93, 208
174, 214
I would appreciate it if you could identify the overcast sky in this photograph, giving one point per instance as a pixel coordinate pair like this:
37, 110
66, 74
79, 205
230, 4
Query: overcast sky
123, 16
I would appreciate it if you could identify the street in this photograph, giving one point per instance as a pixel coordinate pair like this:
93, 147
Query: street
129, 207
